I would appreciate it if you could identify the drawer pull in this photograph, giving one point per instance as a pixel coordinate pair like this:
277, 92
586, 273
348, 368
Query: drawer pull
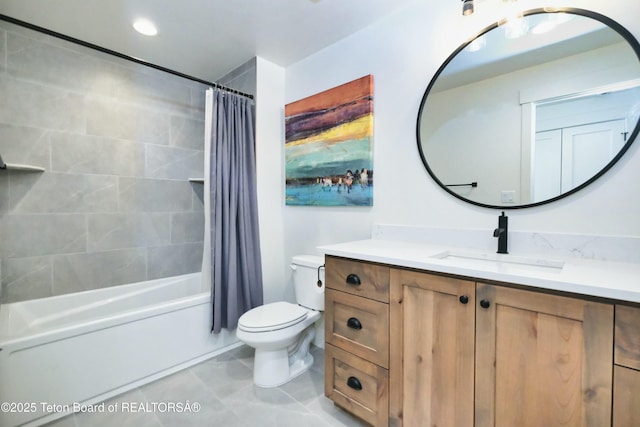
354, 323
353, 280
354, 383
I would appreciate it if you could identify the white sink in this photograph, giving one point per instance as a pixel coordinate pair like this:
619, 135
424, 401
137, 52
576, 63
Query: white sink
502, 262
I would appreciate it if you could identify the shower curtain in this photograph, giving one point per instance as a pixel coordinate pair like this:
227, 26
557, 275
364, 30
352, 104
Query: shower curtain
231, 261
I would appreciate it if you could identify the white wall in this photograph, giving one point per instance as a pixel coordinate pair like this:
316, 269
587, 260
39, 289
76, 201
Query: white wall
403, 52
270, 82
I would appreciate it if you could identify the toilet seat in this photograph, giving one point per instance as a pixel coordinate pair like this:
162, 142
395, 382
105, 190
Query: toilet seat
271, 317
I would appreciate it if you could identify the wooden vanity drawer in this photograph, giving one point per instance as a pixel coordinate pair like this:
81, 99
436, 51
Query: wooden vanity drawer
627, 336
357, 278
357, 385
358, 325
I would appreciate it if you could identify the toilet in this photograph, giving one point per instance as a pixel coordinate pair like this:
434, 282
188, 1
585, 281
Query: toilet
281, 332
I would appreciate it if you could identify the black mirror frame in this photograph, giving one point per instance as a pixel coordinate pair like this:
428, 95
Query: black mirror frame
581, 12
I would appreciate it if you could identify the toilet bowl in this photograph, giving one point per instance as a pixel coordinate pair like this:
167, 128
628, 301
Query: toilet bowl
281, 332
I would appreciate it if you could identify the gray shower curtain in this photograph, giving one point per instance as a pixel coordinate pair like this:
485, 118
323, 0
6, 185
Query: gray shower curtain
236, 272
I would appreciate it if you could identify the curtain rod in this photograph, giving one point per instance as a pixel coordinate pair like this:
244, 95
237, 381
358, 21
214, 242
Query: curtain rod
121, 55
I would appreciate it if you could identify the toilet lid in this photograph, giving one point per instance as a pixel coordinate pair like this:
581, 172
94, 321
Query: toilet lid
270, 317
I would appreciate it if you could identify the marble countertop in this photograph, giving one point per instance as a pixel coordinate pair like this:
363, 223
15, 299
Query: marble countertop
607, 279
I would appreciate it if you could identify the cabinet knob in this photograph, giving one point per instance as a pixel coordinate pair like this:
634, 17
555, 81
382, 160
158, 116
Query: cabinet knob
354, 323
464, 299
485, 303
353, 280
354, 383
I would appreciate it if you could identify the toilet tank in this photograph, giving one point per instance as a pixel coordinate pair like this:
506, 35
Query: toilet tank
305, 281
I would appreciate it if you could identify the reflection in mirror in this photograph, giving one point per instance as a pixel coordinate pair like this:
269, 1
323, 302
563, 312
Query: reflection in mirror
535, 117
577, 137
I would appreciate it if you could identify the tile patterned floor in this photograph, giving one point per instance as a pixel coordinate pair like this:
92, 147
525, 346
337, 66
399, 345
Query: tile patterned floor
223, 386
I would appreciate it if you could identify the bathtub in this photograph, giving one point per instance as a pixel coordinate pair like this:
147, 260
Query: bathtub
62, 353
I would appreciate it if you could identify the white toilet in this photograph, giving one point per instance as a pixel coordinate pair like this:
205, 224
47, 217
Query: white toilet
281, 332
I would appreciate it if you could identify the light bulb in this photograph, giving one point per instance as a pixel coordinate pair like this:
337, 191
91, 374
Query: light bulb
146, 27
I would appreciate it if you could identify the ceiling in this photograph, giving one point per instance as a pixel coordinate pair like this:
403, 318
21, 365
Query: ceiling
206, 38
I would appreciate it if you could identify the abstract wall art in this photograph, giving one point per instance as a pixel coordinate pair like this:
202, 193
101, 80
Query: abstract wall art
329, 147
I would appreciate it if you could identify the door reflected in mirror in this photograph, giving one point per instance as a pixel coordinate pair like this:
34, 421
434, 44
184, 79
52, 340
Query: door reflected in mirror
533, 118
578, 137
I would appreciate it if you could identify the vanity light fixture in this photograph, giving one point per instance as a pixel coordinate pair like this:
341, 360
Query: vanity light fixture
146, 27
467, 7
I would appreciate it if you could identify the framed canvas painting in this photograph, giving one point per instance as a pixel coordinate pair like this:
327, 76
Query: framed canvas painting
329, 147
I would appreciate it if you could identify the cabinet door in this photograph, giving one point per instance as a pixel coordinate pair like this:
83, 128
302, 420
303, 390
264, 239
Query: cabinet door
542, 360
626, 397
432, 350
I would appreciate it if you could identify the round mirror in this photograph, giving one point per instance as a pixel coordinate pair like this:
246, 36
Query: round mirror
533, 109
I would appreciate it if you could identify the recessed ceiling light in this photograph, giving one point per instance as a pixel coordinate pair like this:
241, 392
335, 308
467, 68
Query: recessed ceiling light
146, 27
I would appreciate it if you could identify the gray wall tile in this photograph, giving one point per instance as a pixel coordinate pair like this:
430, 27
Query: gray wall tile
198, 196
26, 278
19, 184
8, 26
154, 195
26, 145
173, 163
198, 97
60, 192
187, 227
243, 78
41, 61
139, 83
187, 132
33, 235
118, 231
29, 104
118, 141
3, 51
84, 271
116, 119
166, 261
4, 193
96, 155
233, 77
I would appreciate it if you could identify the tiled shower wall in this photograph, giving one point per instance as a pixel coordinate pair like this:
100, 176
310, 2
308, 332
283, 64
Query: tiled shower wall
118, 142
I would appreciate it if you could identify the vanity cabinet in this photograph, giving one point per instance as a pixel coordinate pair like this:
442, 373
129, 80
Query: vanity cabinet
357, 338
533, 359
431, 349
626, 392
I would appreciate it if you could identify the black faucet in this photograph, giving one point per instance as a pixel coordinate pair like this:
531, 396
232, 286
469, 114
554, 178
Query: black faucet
501, 233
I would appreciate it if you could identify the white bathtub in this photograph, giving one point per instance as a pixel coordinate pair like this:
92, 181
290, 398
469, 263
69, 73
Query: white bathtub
62, 352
